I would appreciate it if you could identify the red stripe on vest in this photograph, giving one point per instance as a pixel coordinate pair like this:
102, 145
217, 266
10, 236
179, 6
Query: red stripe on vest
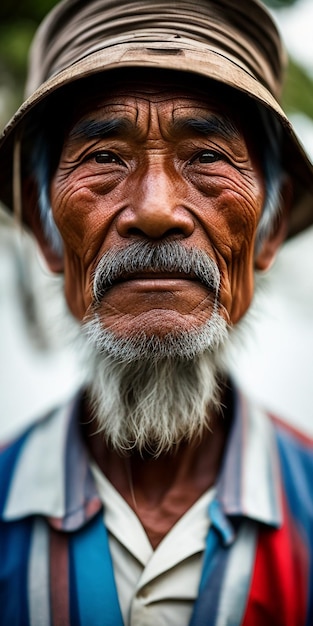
278, 593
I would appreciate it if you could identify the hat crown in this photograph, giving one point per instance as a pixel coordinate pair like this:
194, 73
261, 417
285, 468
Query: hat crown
243, 31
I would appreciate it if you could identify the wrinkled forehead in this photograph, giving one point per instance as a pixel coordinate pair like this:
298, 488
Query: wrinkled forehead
172, 100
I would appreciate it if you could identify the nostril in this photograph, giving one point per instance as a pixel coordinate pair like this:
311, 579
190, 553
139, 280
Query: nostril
135, 232
171, 232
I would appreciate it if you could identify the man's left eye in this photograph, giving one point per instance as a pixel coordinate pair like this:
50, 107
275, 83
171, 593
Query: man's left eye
206, 156
106, 156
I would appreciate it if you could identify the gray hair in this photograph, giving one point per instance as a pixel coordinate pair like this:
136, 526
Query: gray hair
273, 173
41, 168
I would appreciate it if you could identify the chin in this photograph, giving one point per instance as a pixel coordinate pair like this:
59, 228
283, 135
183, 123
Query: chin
155, 323
182, 341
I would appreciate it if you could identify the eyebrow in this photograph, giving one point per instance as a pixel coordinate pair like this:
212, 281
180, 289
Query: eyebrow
99, 129
118, 127
213, 125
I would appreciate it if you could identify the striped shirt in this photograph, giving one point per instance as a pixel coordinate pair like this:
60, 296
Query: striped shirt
55, 563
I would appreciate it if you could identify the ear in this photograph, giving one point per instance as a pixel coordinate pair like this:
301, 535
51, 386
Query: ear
270, 246
31, 217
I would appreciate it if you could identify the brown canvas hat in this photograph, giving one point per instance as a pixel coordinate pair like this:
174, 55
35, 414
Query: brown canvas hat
234, 43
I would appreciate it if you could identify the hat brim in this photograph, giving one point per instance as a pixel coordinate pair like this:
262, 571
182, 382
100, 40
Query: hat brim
182, 57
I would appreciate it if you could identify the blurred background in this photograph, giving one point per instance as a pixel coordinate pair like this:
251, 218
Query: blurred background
275, 364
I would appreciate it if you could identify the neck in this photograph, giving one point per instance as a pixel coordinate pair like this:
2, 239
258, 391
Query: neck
161, 489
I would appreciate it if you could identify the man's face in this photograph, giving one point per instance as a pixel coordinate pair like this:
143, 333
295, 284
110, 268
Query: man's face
152, 165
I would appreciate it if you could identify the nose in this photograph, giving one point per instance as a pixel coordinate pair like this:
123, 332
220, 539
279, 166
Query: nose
154, 210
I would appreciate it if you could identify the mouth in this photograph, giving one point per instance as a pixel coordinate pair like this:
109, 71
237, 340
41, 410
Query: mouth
168, 267
154, 280
151, 282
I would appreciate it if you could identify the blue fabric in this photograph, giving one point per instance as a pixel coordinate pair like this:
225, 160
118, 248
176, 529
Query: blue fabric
14, 551
215, 560
94, 585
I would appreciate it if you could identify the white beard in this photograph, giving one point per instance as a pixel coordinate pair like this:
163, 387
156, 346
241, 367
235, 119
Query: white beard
148, 392
155, 402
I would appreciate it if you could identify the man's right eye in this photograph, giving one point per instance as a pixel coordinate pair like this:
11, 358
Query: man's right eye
106, 156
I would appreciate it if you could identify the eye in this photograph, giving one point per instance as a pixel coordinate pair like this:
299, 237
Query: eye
206, 156
106, 156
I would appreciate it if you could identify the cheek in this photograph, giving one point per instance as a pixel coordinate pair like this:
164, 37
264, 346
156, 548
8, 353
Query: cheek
233, 238
80, 220
77, 219
83, 219
238, 217
242, 273
241, 279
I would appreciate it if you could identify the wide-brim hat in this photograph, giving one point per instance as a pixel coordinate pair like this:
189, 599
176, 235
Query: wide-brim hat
234, 43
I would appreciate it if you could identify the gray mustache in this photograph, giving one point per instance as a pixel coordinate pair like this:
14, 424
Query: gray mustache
117, 264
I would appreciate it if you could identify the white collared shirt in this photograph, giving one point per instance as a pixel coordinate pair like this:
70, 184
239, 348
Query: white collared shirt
155, 587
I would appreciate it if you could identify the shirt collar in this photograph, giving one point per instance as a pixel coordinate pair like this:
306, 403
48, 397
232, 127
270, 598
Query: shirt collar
249, 482
50, 474
47, 472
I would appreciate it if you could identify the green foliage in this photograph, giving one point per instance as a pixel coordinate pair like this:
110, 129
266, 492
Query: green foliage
15, 38
298, 90
18, 22
34, 9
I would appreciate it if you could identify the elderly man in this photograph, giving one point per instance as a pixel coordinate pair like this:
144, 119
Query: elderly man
156, 169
